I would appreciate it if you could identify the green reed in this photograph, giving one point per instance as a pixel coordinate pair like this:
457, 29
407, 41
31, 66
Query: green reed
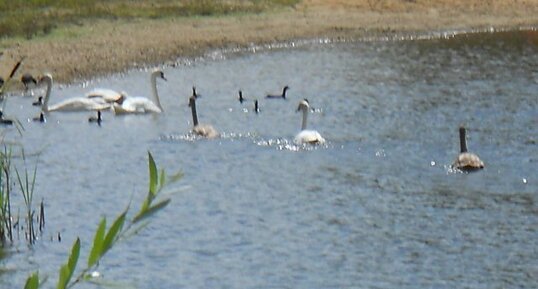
6, 228
27, 185
9, 223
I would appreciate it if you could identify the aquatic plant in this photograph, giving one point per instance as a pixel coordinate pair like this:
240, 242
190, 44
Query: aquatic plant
6, 228
27, 185
104, 239
10, 224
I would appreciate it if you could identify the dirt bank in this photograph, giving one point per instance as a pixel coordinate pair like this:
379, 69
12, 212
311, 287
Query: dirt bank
110, 46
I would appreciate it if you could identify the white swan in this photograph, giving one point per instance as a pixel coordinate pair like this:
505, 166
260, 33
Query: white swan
307, 136
71, 104
204, 130
138, 105
466, 161
107, 95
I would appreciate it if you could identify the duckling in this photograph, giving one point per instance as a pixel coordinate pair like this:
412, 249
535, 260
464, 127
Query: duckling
241, 98
97, 119
38, 101
283, 95
4, 120
40, 118
256, 107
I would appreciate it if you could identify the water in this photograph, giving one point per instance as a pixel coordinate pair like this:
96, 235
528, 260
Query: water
376, 207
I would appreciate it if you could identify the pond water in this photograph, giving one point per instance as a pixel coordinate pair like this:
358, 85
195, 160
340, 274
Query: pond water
377, 206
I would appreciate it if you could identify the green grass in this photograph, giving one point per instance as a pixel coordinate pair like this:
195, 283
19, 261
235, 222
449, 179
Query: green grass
31, 18
10, 222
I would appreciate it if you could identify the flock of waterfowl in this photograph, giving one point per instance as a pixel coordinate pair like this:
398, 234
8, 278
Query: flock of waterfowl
120, 103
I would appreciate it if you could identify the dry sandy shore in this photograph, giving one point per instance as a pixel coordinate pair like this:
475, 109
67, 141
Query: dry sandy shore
111, 46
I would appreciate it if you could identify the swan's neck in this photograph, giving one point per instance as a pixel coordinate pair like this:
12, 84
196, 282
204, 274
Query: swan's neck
193, 109
463, 141
45, 105
305, 114
154, 91
284, 92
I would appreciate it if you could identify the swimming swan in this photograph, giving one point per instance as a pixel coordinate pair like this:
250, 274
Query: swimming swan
204, 130
138, 105
71, 104
466, 161
283, 95
107, 95
307, 136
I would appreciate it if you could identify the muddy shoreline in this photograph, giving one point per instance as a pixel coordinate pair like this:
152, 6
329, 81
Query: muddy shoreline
104, 47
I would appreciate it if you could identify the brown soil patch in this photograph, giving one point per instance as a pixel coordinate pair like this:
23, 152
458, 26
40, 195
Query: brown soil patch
112, 46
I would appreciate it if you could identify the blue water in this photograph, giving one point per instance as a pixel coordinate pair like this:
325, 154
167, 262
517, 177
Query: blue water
376, 207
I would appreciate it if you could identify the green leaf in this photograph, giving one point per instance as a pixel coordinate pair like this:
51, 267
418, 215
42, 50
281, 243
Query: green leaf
153, 175
135, 230
97, 248
32, 282
73, 259
145, 204
62, 281
175, 177
151, 210
113, 232
66, 271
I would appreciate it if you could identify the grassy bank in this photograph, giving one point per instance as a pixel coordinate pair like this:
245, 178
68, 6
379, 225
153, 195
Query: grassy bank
78, 40
30, 18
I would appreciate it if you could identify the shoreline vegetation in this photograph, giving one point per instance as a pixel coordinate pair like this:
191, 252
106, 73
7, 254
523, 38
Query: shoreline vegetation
80, 40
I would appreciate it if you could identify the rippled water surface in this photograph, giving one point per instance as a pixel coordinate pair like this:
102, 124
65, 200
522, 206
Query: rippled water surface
376, 207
